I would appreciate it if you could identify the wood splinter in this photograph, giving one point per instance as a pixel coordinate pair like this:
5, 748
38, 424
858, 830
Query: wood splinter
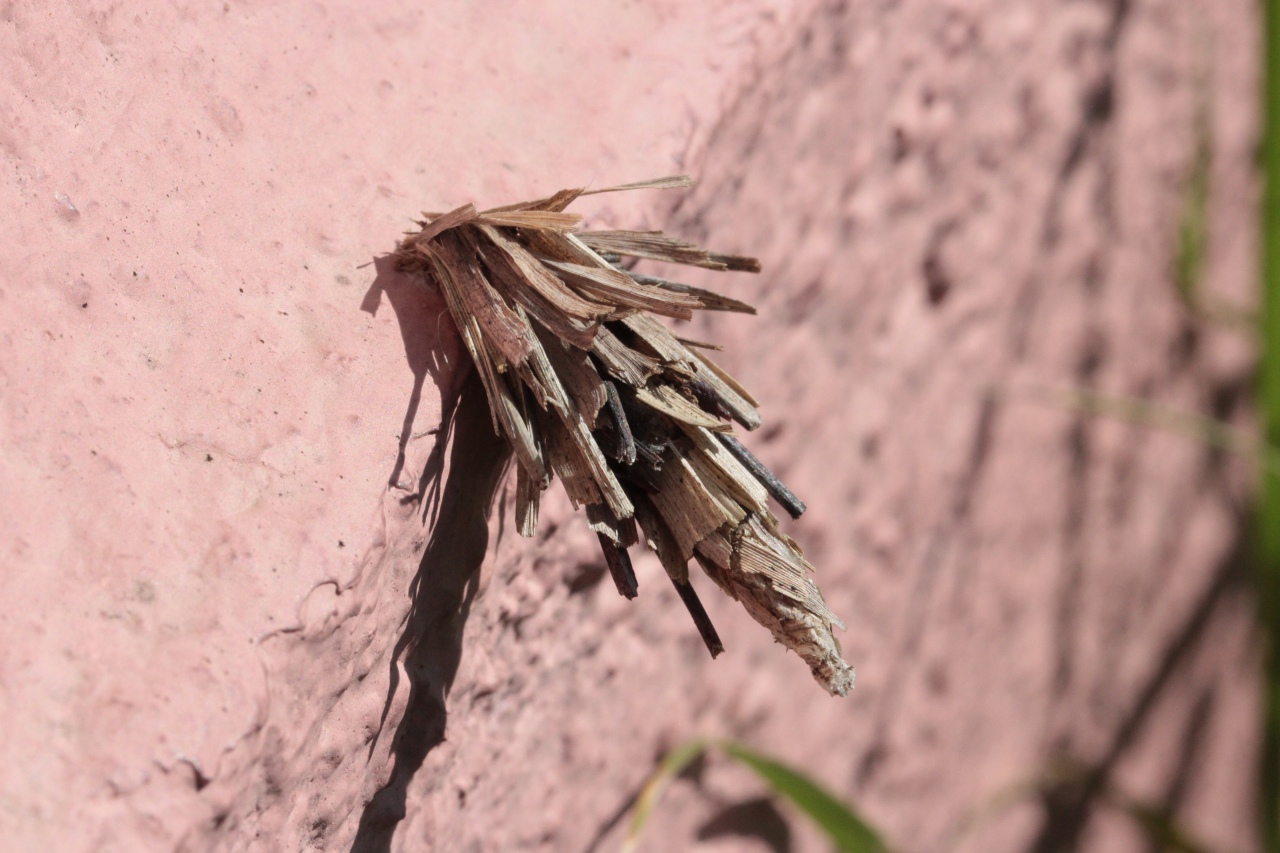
588, 386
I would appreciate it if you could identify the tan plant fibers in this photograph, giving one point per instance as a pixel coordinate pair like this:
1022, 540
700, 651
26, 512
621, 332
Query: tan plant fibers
588, 386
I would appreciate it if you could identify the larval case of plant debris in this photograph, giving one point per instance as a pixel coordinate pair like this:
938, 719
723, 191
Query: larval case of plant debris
589, 387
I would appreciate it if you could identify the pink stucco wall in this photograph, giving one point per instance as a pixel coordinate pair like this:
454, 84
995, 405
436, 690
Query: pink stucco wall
216, 412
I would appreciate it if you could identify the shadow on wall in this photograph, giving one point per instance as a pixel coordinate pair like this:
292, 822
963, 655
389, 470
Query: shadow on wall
431, 348
1070, 804
756, 818
456, 505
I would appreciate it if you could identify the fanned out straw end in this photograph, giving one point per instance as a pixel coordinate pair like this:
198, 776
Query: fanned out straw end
588, 386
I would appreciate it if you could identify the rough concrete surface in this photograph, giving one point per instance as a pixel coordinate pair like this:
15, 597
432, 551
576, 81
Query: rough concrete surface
241, 612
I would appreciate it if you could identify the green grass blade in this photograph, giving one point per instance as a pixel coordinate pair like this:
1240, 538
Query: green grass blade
671, 767
849, 832
1267, 551
1192, 247
1202, 428
1269, 521
1193, 227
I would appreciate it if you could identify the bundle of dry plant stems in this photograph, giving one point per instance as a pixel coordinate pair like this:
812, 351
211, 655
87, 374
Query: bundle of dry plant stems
588, 386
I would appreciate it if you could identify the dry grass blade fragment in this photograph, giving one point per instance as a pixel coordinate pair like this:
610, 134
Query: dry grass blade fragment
589, 387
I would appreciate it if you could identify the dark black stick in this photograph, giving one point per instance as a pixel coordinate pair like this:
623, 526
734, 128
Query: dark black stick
700, 618
784, 496
619, 563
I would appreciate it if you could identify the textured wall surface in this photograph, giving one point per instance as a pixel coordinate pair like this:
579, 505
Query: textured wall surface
241, 611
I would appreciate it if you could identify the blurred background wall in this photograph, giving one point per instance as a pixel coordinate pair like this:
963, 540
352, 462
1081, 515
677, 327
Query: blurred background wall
239, 547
